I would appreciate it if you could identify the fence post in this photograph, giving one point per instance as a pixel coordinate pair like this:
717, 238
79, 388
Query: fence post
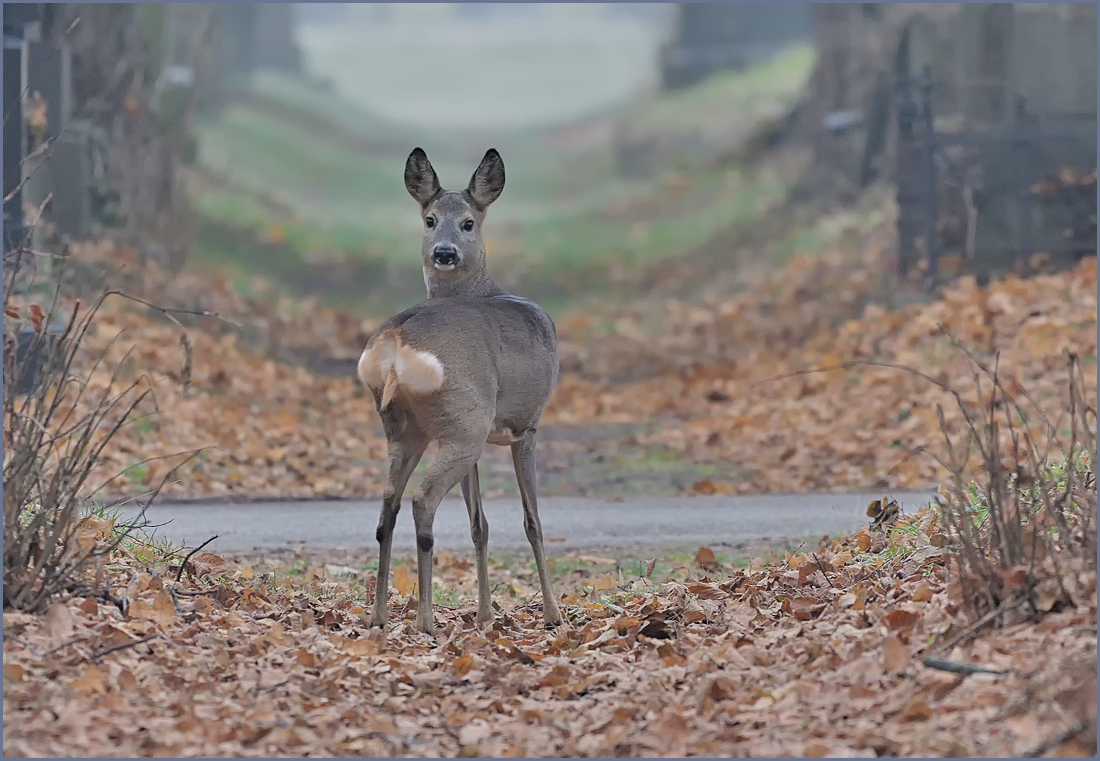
1023, 145
908, 190
932, 207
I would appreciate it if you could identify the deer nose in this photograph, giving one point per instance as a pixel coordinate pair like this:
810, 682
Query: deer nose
445, 254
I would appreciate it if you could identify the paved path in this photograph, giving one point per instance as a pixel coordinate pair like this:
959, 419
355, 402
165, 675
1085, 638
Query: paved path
568, 523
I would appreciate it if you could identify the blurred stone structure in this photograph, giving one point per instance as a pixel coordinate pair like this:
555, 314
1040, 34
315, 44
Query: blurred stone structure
248, 38
973, 110
984, 57
713, 37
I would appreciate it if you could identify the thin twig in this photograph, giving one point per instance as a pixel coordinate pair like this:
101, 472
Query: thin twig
169, 312
1043, 748
955, 667
196, 592
179, 573
973, 629
819, 565
123, 646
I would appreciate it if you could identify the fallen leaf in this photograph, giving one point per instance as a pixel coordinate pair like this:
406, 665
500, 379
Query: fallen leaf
923, 592
705, 487
899, 619
91, 682
461, 665
403, 581
14, 672
656, 628
360, 648
805, 608
126, 681
707, 591
605, 582
161, 611
206, 564
895, 655
918, 710
60, 621
705, 558
37, 317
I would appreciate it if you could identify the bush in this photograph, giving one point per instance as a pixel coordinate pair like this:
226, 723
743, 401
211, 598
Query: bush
57, 423
1023, 536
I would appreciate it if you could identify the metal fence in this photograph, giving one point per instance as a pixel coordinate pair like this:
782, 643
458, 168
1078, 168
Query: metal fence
990, 197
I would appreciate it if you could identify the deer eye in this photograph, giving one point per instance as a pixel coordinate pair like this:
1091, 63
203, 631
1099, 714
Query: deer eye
468, 225
430, 222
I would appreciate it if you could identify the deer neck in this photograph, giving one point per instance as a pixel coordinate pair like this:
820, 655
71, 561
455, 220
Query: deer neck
477, 284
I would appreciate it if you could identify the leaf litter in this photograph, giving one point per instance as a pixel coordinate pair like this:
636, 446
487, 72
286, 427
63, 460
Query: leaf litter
717, 389
814, 654
806, 654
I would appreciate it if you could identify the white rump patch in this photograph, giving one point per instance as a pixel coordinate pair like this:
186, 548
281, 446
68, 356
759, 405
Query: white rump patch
388, 366
376, 362
418, 372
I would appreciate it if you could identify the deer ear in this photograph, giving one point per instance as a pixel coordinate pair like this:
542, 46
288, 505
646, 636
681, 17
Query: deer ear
487, 182
420, 178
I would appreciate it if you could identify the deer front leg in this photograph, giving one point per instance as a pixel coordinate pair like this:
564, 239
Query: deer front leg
404, 455
523, 457
479, 532
453, 462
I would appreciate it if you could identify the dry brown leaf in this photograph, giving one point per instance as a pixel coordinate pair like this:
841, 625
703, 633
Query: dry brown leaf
60, 621
707, 591
605, 582
918, 710
207, 564
899, 620
161, 610
126, 681
705, 558
38, 317
461, 665
895, 655
404, 582
360, 648
923, 592
91, 682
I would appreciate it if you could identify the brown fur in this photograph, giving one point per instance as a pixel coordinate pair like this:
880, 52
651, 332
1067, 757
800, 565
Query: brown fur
470, 365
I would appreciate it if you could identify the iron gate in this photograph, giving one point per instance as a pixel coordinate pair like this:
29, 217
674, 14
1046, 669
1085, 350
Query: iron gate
992, 198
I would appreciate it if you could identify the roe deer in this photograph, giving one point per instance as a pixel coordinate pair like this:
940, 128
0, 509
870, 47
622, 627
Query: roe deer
470, 365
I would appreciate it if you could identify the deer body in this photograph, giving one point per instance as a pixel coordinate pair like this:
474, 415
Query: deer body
469, 366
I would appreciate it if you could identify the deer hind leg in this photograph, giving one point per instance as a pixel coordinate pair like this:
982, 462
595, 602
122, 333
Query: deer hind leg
523, 457
479, 532
454, 461
406, 447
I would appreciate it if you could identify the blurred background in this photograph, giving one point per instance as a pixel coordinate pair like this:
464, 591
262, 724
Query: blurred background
269, 138
715, 185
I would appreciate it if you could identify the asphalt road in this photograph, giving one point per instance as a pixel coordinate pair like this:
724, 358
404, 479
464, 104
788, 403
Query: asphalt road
568, 523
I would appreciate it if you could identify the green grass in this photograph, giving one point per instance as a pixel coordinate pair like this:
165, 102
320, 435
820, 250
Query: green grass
756, 91
274, 193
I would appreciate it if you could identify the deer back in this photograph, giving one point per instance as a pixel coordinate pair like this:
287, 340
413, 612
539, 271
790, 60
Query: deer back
483, 363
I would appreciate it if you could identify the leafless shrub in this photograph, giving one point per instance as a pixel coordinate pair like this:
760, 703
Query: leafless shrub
57, 423
1023, 533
